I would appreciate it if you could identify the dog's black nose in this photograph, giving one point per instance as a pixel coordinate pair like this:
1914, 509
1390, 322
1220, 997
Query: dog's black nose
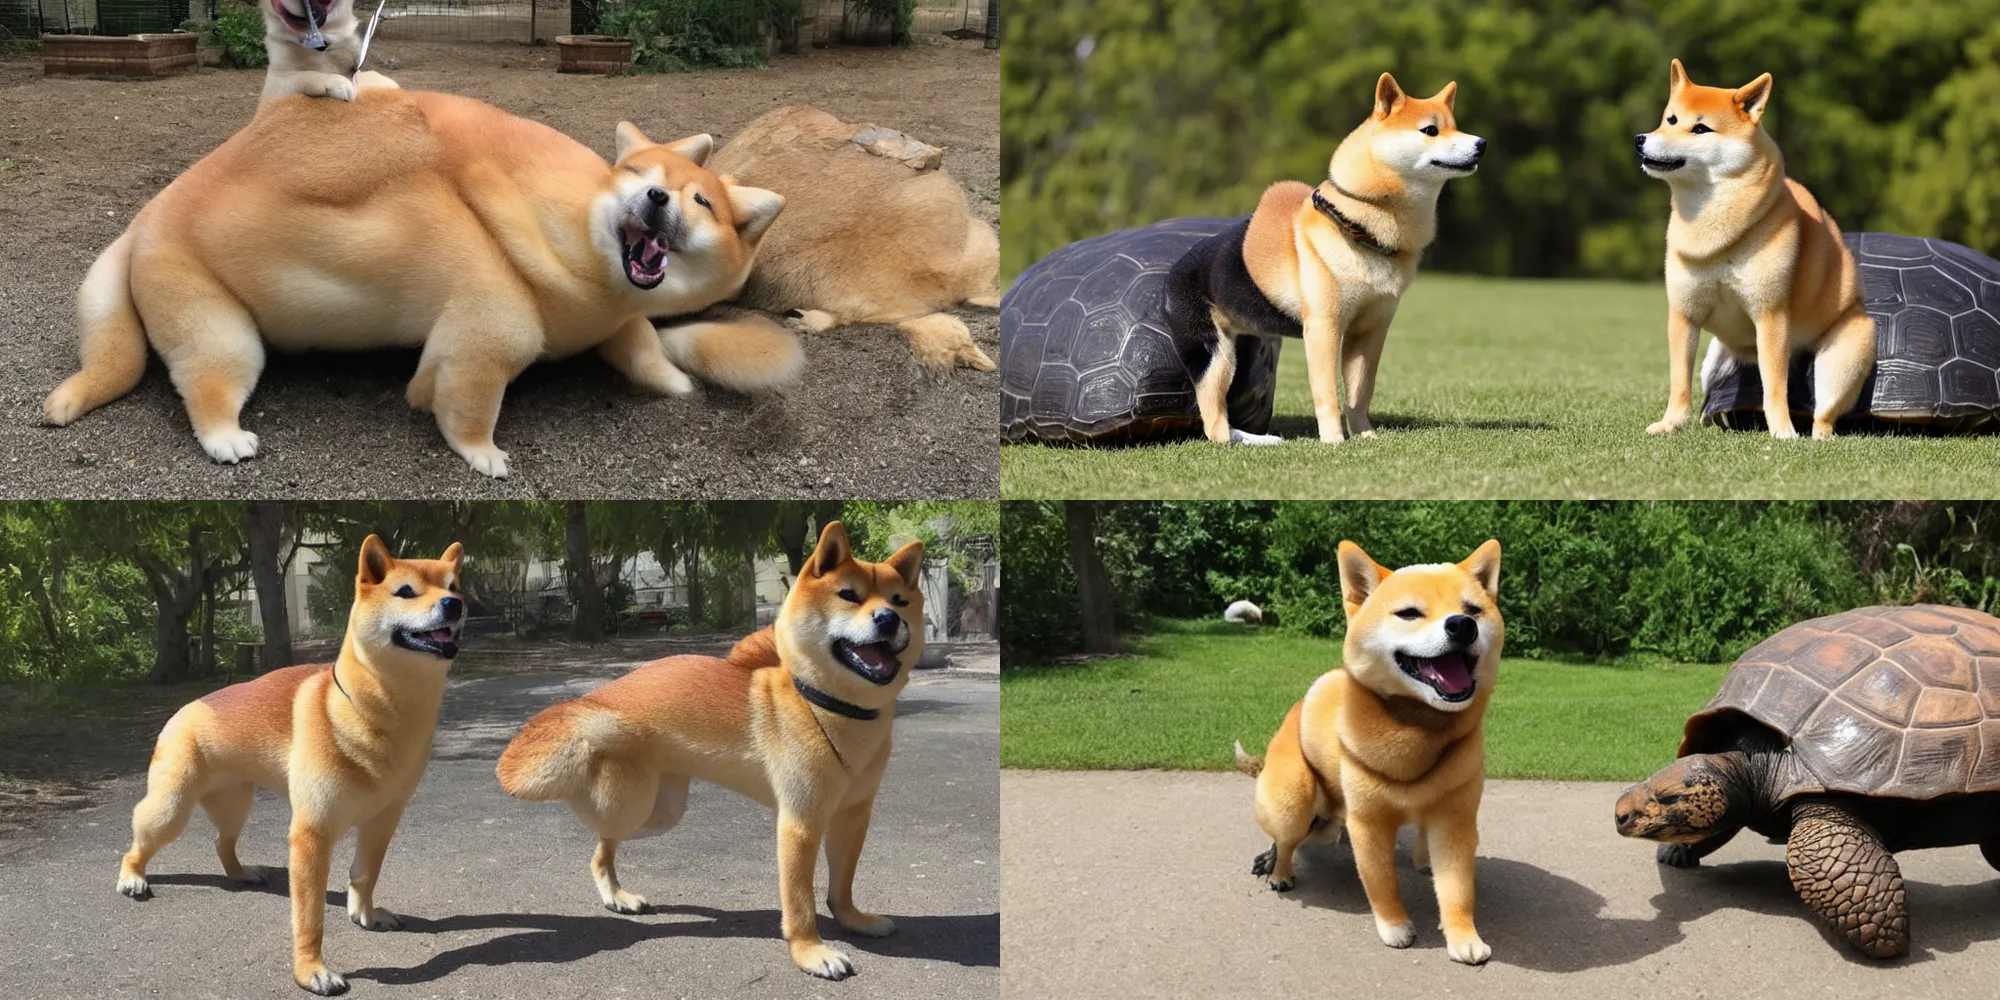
1479, 149
1461, 630
451, 607
657, 196
885, 620
1639, 142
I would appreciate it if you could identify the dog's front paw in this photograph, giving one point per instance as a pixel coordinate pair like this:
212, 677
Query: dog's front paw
486, 460
134, 886
376, 919
630, 904
820, 960
1395, 935
1785, 433
1470, 950
340, 88
872, 925
229, 447
1667, 424
323, 981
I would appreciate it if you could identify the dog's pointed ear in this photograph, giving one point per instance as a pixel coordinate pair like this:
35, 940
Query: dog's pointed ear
375, 560
755, 209
1447, 95
908, 562
1677, 77
453, 556
1388, 96
1359, 575
832, 550
695, 147
1483, 565
630, 138
1754, 97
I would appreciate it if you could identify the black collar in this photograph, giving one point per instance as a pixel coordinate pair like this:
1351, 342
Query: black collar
1348, 227
336, 677
834, 705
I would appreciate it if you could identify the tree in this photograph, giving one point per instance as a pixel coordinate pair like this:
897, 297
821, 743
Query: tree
265, 522
1093, 589
587, 623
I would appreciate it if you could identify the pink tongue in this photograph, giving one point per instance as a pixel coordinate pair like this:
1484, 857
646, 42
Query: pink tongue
1448, 672
876, 656
441, 635
652, 252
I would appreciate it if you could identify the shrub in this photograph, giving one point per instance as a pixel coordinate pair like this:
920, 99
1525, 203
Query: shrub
239, 29
675, 36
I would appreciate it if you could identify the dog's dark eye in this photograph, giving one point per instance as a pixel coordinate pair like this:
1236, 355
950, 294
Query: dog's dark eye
1700, 129
899, 600
847, 594
1410, 614
1472, 609
702, 200
1429, 130
406, 591
1673, 119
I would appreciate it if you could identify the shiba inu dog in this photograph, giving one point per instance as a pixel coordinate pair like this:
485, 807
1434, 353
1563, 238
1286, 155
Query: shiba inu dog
798, 718
1329, 263
487, 240
346, 741
1751, 257
867, 237
314, 48
1395, 737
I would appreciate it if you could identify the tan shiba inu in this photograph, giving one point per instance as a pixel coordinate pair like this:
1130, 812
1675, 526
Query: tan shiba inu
798, 718
1329, 263
347, 742
487, 240
1394, 738
1752, 258
314, 48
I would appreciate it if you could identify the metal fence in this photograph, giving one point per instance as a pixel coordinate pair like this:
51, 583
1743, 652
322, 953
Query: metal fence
33, 18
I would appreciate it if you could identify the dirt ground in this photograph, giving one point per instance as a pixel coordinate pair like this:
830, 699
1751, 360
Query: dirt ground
79, 157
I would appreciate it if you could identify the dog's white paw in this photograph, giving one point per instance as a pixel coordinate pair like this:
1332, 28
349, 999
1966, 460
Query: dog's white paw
1245, 437
134, 886
816, 320
676, 383
1471, 950
1395, 935
870, 925
823, 961
1785, 433
627, 903
490, 461
229, 447
325, 982
376, 919
340, 89
1666, 425
251, 875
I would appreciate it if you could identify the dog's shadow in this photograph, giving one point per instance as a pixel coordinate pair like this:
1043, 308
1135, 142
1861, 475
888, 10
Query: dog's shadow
1289, 426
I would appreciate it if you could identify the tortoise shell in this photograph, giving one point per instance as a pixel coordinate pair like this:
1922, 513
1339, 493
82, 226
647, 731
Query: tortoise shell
1936, 306
1085, 352
1892, 701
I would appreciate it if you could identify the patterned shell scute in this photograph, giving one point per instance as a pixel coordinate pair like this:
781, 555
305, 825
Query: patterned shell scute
1893, 701
1085, 352
1936, 306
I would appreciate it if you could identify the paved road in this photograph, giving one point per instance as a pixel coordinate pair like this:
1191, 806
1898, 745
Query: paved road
501, 897
1137, 884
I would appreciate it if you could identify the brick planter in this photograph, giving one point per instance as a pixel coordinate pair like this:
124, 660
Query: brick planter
121, 55
601, 54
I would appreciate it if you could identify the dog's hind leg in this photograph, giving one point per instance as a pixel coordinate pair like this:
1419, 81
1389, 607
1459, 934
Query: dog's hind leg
1846, 353
211, 347
980, 267
622, 797
472, 353
173, 786
228, 807
943, 341
371, 844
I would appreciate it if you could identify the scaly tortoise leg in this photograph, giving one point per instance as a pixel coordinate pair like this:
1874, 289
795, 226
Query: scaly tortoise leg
1991, 852
1845, 875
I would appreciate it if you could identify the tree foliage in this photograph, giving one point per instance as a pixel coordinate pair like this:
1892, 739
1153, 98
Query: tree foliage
1120, 112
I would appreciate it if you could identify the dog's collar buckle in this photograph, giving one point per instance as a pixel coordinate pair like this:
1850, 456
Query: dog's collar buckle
833, 704
1349, 228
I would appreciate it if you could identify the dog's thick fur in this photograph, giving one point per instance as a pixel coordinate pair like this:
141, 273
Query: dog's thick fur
1294, 271
297, 67
865, 238
622, 755
1374, 747
347, 742
1751, 258
487, 240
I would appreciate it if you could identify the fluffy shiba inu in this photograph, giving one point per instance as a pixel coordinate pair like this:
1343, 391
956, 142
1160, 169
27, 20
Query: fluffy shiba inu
346, 741
1752, 258
798, 718
487, 240
314, 48
1329, 263
1394, 738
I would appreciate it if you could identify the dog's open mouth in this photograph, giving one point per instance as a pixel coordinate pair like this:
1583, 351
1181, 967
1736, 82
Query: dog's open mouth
441, 641
296, 17
1449, 675
1463, 166
645, 251
876, 661
1663, 166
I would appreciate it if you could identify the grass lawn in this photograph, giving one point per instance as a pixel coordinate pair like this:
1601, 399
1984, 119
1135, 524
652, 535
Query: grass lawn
1195, 687
1514, 389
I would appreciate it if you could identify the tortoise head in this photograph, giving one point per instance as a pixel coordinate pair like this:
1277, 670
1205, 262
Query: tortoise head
1685, 802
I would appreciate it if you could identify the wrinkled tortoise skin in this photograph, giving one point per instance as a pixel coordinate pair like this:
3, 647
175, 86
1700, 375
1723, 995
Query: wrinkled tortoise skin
1901, 702
1843, 874
1936, 306
1085, 353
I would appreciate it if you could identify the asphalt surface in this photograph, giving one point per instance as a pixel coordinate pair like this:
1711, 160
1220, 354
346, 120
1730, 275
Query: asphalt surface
496, 896
1138, 884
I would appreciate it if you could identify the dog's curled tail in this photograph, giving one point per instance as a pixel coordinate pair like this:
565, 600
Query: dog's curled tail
1252, 766
550, 758
747, 353
110, 338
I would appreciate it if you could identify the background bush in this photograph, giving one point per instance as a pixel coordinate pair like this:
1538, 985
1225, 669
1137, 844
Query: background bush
1121, 112
1688, 581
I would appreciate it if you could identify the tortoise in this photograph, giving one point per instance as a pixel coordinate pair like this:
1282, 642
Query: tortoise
1085, 353
1847, 737
1936, 306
